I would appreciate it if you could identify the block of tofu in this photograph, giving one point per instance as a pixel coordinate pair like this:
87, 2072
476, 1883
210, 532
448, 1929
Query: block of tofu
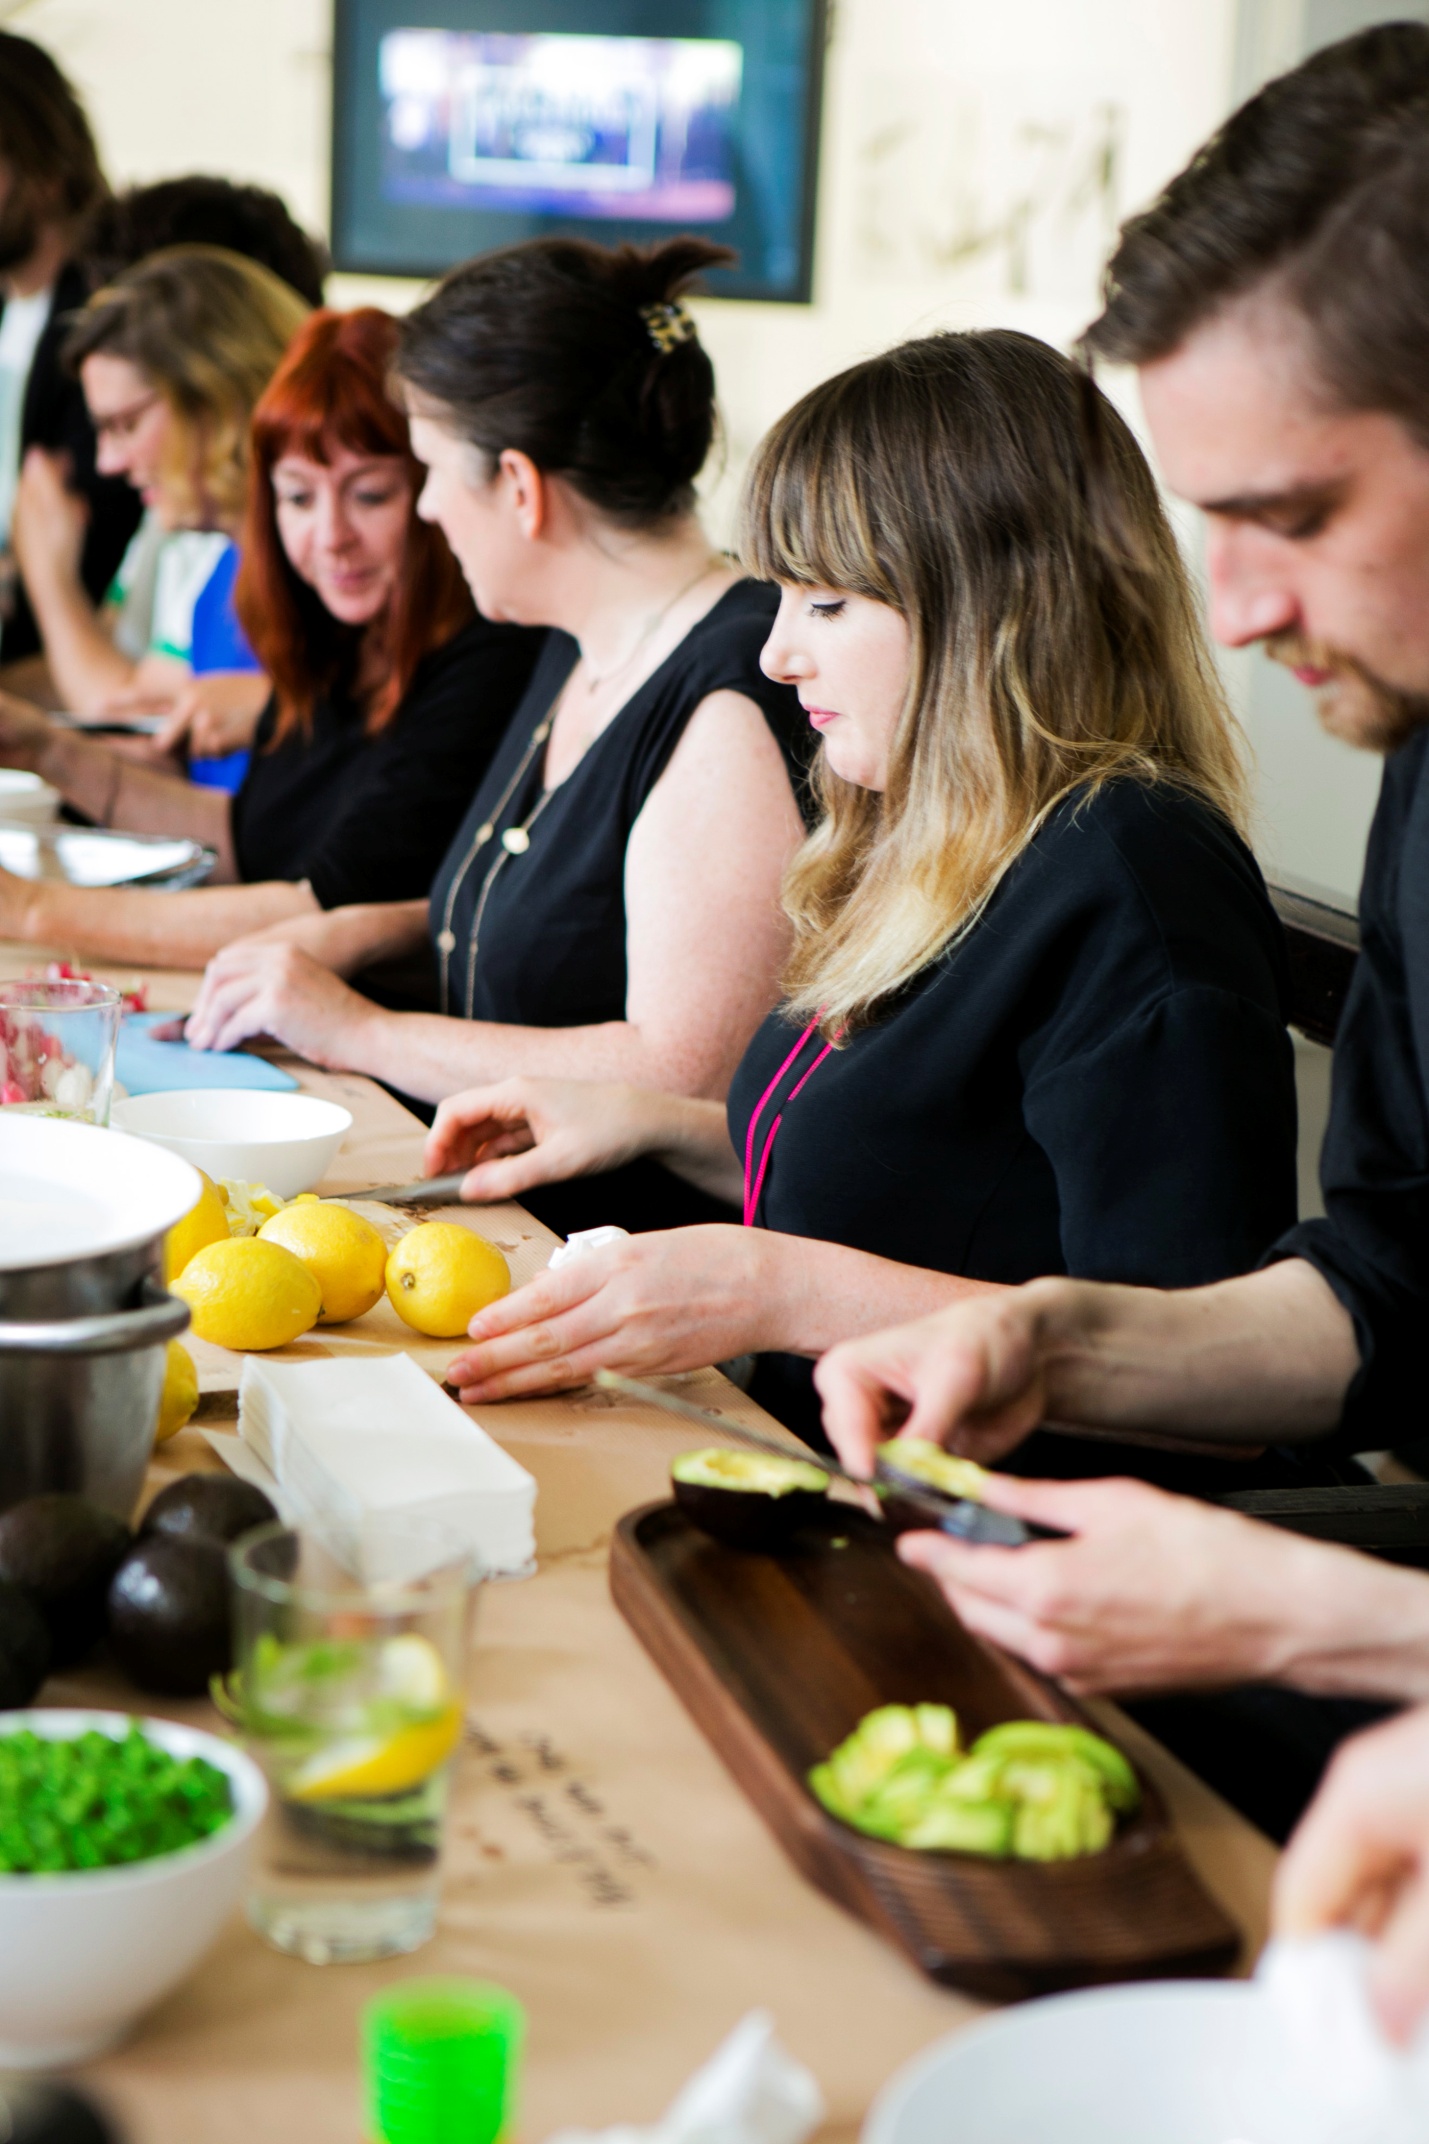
351, 1439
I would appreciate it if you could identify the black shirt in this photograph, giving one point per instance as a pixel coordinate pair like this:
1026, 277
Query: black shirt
1373, 1244
550, 951
1096, 1079
366, 818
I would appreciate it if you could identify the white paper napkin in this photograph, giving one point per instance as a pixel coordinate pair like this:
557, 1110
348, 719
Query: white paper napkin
350, 1438
749, 2092
1359, 2087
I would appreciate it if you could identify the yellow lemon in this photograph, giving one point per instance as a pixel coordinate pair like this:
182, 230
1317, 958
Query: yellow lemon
345, 1255
205, 1222
440, 1275
378, 1764
248, 1206
179, 1397
249, 1295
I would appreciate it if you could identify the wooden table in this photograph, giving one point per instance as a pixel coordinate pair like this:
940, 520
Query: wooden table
604, 1866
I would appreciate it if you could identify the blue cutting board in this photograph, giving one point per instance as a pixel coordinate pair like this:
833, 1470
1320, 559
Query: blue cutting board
144, 1066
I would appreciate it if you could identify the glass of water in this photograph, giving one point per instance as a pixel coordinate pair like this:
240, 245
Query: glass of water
349, 1691
57, 1043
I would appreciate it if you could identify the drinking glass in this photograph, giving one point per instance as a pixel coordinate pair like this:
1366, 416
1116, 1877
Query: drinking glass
57, 1044
348, 1689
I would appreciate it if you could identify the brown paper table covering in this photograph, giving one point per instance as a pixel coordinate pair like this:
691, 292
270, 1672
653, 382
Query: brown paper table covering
603, 1866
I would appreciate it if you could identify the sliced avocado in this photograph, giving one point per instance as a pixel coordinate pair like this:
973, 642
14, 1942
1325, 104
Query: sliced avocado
937, 1727
962, 1827
747, 1500
940, 1470
62, 1551
24, 1648
169, 1614
751, 1473
214, 1507
1041, 1738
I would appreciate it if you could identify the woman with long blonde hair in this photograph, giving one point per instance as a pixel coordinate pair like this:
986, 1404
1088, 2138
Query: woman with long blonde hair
1033, 1015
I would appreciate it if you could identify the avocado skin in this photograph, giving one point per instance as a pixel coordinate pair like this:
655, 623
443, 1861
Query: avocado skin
207, 1507
25, 1650
169, 1619
62, 1551
748, 1519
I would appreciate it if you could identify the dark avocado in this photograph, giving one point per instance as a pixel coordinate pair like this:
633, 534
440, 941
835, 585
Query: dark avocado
927, 1467
207, 1507
748, 1500
24, 1648
169, 1614
62, 1551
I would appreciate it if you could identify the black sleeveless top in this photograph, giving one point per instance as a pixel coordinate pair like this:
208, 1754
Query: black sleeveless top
528, 910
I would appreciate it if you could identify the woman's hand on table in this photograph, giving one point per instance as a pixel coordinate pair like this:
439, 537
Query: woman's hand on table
518, 1133
1360, 1859
211, 715
262, 986
677, 1299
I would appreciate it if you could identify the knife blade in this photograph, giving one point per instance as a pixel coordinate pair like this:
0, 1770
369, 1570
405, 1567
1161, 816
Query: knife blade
430, 1191
959, 1517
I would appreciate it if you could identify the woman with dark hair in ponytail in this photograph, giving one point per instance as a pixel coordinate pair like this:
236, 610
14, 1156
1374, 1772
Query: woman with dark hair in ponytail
610, 908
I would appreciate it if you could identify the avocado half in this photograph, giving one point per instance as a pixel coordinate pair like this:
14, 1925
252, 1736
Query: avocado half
748, 1500
926, 1466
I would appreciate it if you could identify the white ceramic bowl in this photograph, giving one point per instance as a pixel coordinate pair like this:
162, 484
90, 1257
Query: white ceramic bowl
26, 800
1175, 2062
286, 1141
85, 1953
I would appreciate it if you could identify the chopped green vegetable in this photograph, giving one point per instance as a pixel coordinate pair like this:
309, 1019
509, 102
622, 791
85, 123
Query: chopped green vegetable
95, 1801
1037, 1790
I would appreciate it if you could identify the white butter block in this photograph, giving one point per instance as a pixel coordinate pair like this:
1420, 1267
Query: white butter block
350, 1438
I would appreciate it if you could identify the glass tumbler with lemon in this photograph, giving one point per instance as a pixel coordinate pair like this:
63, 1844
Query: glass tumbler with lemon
348, 1689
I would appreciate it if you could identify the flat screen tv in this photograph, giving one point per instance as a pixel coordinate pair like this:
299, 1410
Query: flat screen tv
459, 125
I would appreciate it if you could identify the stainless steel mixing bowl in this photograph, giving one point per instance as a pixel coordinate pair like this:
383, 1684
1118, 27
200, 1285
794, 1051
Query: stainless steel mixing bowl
84, 1327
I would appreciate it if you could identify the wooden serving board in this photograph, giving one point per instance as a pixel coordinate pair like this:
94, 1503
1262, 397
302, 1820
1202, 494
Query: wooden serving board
777, 1658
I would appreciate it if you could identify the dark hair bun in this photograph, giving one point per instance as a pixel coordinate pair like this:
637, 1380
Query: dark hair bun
547, 347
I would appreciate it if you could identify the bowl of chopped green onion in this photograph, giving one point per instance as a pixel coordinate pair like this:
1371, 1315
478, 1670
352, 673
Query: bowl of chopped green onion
124, 1846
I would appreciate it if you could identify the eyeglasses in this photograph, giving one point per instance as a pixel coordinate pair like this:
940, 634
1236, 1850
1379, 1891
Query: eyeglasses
122, 423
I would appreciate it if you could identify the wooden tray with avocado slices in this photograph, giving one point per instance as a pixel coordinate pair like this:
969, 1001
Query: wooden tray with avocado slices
778, 1658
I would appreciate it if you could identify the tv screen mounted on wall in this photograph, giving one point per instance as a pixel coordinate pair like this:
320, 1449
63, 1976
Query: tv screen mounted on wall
467, 124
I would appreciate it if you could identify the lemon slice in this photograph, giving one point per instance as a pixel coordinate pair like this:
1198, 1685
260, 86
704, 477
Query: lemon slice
410, 1674
378, 1764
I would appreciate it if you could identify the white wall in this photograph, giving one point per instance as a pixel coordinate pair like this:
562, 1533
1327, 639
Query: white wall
976, 160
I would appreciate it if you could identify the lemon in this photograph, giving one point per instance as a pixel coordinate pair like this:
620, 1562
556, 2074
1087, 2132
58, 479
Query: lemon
345, 1255
248, 1206
205, 1222
411, 1676
179, 1397
249, 1295
440, 1275
378, 1764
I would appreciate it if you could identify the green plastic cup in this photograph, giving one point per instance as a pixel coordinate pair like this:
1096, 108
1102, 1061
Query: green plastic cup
441, 2059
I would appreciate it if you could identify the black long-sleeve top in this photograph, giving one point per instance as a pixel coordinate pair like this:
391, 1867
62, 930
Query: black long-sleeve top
1373, 1243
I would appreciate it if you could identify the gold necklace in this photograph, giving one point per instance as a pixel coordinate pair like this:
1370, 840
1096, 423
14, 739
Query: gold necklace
592, 683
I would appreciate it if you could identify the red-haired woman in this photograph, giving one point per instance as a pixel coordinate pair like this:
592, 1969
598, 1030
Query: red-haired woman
390, 692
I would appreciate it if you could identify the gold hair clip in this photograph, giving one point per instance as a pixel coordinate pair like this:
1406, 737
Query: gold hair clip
668, 325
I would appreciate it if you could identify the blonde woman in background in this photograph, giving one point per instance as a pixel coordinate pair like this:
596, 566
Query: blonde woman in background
1033, 1015
172, 357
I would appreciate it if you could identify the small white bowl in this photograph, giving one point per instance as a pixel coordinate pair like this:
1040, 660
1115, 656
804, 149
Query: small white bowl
1180, 2062
26, 800
84, 1953
286, 1141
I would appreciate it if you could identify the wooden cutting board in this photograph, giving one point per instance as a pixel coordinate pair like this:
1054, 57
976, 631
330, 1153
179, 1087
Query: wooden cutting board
778, 1658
